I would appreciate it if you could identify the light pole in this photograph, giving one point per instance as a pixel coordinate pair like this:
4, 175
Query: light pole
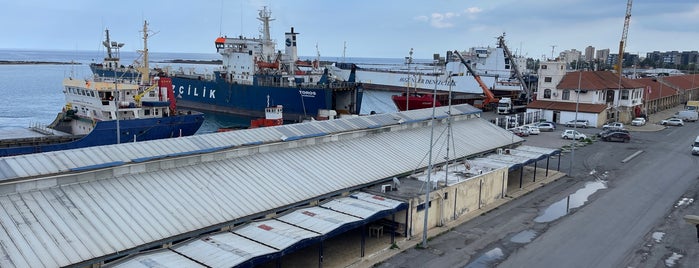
408, 60
429, 167
575, 123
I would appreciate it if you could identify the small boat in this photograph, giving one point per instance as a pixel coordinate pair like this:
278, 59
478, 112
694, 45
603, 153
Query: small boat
104, 111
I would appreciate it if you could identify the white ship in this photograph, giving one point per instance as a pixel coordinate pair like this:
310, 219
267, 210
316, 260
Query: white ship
492, 64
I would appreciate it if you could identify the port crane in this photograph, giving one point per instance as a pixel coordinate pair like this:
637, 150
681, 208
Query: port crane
501, 42
489, 96
625, 32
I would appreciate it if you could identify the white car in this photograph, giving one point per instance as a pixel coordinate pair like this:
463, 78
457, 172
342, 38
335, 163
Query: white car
615, 125
638, 121
570, 134
533, 130
672, 122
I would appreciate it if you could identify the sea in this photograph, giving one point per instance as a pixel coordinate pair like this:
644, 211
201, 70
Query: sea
32, 94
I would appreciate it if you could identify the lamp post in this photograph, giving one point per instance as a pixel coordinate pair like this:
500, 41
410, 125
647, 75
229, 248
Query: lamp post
429, 167
575, 124
408, 60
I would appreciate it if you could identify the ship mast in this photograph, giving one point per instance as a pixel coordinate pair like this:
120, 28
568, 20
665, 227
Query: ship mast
145, 69
265, 16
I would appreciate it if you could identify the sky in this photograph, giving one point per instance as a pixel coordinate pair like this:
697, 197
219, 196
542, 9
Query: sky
357, 28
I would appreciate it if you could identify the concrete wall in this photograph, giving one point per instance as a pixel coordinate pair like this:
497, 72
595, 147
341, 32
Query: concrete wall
461, 198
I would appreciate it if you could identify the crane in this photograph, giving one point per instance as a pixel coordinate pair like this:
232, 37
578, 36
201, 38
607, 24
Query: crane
489, 96
625, 32
501, 42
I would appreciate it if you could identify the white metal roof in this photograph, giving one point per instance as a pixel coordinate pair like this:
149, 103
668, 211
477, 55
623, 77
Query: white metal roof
102, 212
273, 236
119, 154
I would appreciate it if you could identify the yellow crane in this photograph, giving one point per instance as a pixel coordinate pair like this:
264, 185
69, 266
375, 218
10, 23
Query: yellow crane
622, 43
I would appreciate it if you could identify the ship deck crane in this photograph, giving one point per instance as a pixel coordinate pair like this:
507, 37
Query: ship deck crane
622, 43
501, 41
489, 96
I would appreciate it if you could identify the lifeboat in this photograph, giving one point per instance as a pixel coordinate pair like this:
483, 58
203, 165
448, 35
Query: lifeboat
264, 64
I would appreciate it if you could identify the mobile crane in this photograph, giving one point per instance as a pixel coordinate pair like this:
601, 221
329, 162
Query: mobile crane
490, 98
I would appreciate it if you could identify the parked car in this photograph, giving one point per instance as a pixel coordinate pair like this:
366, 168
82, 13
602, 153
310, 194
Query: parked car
608, 131
519, 131
614, 125
546, 126
569, 134
533, 130
638, 121
672, 122
578, 123
617, 136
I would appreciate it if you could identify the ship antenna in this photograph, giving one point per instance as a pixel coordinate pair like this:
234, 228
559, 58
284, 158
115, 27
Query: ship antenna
344, 49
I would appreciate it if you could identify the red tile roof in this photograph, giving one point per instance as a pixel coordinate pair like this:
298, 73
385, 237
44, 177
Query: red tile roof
653, 89
683, 82
596, 80
567, 106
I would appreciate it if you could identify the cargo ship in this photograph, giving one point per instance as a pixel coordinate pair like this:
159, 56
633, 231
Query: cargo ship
104, 111
253, 69
495, 66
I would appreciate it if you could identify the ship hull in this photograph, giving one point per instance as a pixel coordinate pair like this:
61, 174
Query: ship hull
251, 100
105, 133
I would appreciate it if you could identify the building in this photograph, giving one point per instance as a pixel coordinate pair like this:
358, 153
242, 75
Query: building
596, 96
602, 55
589, 53
259, 196
569, 56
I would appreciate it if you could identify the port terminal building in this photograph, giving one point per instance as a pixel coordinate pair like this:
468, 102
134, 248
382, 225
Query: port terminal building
321, 193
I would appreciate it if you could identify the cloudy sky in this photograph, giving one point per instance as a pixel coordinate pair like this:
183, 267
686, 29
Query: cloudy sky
378, 28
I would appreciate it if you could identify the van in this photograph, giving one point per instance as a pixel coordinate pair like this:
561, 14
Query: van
688, 115
695, 146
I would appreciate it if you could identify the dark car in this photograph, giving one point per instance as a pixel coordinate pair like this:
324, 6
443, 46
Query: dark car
608, 131
617, 136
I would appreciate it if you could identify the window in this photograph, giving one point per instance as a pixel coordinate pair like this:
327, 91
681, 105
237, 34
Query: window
543, 67
565, 95
547, 93
624, 94
547, 79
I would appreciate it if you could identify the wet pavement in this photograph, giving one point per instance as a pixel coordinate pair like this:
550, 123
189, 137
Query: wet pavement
495, 253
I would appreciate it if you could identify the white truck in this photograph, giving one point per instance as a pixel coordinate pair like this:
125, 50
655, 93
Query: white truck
509, 106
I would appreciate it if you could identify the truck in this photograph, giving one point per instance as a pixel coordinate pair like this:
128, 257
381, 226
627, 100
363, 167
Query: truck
688, 115
692, 105
507, 105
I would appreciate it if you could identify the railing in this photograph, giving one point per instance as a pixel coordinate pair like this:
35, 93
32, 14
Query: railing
41, 128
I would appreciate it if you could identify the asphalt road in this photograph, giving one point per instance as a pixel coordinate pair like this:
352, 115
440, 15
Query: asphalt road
619, 214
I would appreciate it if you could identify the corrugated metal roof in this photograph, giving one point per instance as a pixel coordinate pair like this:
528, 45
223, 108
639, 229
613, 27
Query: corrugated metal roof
118, 154
261, 241
156, 259
100, 213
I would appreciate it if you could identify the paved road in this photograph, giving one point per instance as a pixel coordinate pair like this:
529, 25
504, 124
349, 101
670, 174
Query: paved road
617, 224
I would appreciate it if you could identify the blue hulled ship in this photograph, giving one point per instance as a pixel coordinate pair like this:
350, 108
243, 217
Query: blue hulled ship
109, 110
253, 72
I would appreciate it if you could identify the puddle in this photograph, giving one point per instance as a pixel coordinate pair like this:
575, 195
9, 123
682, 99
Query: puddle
658, 236
672, 260
487, 259
575, 200
524, 237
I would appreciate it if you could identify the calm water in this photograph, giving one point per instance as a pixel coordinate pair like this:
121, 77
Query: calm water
33, 93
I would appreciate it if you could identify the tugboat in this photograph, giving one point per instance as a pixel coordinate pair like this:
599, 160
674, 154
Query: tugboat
105, 111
